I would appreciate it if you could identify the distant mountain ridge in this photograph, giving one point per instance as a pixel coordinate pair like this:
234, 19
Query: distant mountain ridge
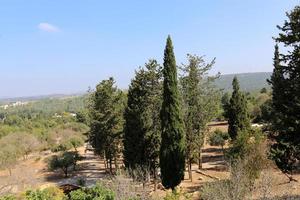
39, 97
249, 82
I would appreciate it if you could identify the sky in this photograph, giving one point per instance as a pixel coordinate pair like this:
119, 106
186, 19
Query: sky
66, 46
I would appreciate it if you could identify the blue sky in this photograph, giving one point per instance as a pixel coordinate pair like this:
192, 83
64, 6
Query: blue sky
65, 46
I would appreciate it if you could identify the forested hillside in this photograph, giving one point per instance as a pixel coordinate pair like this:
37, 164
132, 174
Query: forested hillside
249, 82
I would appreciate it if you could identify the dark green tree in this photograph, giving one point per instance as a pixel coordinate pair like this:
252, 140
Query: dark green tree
285, 82
225, 104
238, 117
107, 121
142, 121
172, 151
200, 104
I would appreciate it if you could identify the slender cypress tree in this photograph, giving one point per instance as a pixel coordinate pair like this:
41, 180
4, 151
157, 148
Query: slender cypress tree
285, 82
172, 151
238, 117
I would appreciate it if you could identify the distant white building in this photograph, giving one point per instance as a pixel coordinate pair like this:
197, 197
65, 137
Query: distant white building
73, 114
14, 104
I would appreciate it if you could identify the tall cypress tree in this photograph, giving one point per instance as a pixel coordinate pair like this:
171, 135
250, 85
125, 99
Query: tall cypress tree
238, 117
142, 123
285, 83
172, 151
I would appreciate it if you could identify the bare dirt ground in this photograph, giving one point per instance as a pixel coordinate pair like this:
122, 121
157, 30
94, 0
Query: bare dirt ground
33, 173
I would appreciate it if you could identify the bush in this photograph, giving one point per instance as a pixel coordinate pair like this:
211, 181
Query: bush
51, 193
96, 192
218, 138
8, 197
177, 195
249, 148
64, 161
65, 139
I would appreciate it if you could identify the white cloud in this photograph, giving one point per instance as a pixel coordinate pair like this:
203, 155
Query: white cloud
48, 27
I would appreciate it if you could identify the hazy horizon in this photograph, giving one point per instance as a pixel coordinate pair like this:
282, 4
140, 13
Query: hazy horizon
85, 91
51, 47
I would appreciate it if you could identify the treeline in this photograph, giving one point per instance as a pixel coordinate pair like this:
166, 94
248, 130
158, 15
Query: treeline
160, 123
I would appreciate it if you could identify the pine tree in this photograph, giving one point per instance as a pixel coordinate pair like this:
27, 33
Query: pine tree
142, 122
107, 121
172, 151
238, 117
285, 82
200, 105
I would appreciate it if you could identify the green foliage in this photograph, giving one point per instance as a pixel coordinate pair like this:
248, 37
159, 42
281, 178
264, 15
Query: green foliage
200, 103
82, 116
285, 82
96, 192
65, 139
225, 100
177, 195
218, 138
106, 129
142, 123
250, 82
64, 161
238, 117
263, 90
16, 145
51, 193
172, 151
249, 148
8, 197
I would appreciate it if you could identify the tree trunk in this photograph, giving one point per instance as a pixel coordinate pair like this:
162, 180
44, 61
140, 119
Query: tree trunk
154, 178
116, 163
66, 172
200, 158
110, 166
190, 170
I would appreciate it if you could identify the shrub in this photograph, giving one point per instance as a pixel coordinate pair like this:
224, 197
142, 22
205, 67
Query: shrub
51, 193
65, 139
235, 188
96, 192
218, 138
64, 161
177, 195
8, 197
250, 149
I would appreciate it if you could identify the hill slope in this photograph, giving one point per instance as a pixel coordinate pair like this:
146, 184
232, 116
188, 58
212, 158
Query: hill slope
248, 81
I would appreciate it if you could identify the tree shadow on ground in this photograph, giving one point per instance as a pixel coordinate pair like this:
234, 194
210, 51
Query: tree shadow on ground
87, 170
215, 158
212, 150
